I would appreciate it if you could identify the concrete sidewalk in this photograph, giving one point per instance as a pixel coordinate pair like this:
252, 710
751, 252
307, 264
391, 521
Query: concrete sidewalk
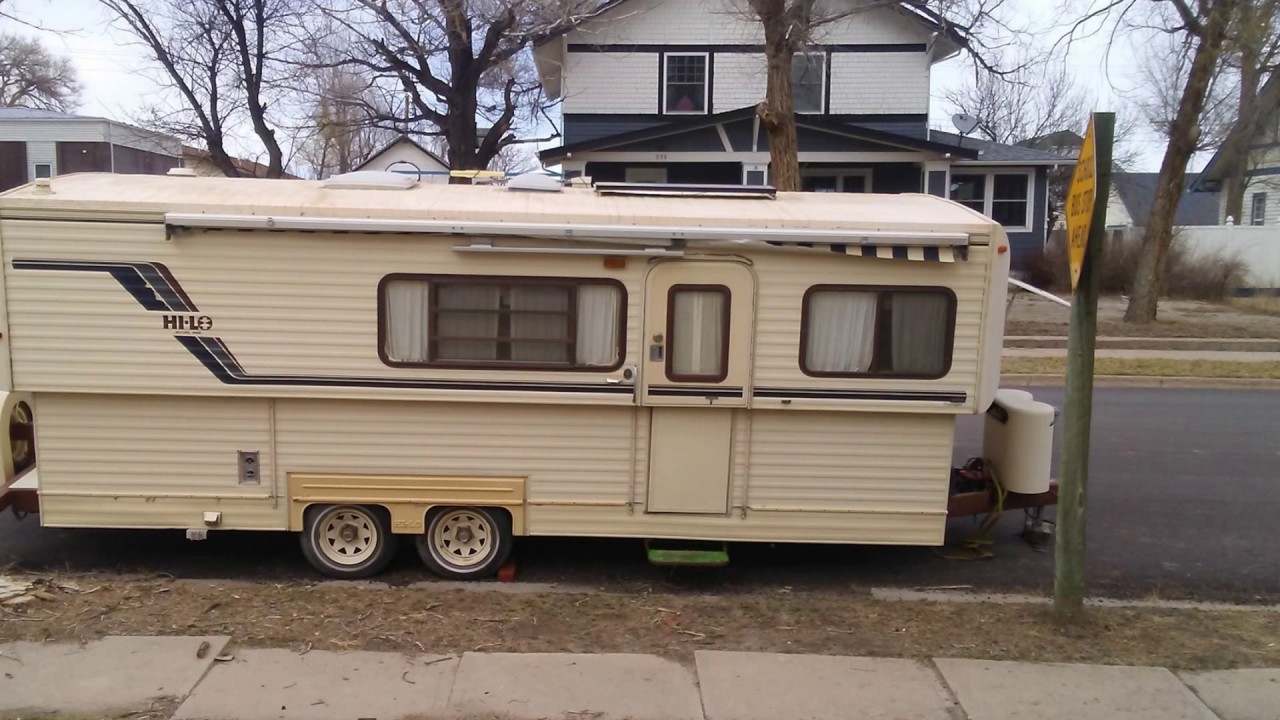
179, 677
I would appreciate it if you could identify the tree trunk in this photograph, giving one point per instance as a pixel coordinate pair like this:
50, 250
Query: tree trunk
1184, 134
1247, 118
777, 114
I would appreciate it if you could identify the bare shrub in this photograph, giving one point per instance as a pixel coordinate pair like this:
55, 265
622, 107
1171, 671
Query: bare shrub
1190, 276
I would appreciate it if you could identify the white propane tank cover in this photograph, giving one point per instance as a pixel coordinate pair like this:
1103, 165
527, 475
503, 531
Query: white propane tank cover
1018, 441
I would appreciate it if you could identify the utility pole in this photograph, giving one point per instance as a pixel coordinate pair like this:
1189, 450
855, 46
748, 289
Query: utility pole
1086, 234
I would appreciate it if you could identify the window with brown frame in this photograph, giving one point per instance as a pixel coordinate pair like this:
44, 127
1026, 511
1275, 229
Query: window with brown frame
698, 333
501, 322
862, 331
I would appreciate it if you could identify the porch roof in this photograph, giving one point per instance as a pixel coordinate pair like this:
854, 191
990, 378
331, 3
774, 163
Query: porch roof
812, 122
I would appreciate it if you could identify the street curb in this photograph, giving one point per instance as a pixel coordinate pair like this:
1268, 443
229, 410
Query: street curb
1144, 381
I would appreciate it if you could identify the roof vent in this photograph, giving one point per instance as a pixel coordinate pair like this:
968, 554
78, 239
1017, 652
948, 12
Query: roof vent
181, 172
536, 182
370, 180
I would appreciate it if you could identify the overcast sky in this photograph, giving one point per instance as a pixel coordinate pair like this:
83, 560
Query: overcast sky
116, 81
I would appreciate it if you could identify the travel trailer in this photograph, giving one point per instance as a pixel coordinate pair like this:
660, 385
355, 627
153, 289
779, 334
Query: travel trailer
365, 359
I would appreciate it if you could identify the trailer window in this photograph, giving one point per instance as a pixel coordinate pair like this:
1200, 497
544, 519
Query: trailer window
698, 325
848, 331
492, 322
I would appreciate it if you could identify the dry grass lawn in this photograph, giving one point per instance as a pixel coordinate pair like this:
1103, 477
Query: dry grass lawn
1260, 305
340, 616
1154, 367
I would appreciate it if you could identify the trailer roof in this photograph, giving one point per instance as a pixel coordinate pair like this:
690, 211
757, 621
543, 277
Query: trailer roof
90, 195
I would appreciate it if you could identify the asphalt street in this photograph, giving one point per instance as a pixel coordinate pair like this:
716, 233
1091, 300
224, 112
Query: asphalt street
1184, 501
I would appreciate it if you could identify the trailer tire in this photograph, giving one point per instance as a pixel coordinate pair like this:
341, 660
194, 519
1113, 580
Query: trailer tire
348, 541
465, 543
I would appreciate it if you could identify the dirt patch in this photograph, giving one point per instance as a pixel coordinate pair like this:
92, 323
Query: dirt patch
1030, 315
1153, 367
347, 616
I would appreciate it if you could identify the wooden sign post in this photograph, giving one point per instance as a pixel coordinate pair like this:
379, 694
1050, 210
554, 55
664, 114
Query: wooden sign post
1086, 221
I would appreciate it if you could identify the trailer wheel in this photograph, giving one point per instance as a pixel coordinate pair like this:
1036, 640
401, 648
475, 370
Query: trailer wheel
348, 541
465, 543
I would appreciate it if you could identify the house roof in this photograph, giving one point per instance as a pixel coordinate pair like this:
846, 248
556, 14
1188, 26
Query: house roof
1138, 193
248, 168
411, 141
686, 124
22, 113
994, 152
1058, 139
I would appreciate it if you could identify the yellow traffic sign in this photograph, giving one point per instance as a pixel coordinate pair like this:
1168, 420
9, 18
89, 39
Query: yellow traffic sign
1080, 201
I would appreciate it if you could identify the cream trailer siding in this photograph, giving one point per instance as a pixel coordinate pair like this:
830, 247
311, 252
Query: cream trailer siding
158, 353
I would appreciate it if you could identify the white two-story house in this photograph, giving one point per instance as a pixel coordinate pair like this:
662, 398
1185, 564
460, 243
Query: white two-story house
666, 90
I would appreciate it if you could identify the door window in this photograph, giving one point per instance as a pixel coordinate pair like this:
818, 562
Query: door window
698, 329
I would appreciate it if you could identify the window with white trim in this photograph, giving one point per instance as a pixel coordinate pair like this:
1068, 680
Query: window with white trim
501, 322
1002, 196
684, 83
1258, 209
808, 80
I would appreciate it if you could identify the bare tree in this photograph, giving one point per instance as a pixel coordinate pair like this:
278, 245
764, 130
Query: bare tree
1253, 48
341, 132
31, 76
515, 159
220, 57
1202, 26
1031, 102
462, 66
789, 26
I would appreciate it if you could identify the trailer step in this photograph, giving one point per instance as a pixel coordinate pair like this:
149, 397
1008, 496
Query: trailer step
687, 553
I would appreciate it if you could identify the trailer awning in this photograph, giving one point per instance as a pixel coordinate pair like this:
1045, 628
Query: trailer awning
923, 253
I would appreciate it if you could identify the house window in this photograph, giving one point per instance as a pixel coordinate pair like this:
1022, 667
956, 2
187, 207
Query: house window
857, 331
808, 75
1258, 209
1003, 197
698, 326
44, 170
646, 175
501, 322
858, 181
970, 191
685, 83
1011, 199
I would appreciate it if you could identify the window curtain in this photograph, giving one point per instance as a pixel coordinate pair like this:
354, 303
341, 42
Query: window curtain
468, 324
841, 331
697, 337
919, 333
406, 318
550, 323
598, 307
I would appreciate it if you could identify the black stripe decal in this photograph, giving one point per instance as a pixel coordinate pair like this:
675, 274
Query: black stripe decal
808, 394
667, 391
150, 284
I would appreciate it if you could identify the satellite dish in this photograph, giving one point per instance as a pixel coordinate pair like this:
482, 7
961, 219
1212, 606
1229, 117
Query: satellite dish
964, 123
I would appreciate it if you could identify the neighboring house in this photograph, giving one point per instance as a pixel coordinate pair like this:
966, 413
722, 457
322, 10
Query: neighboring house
1262, 174
1133, 194
44, 143
666, 91
406, 155
197, 160
1062, 142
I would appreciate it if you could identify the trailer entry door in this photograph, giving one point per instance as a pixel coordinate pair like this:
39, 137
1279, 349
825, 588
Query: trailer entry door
696, 370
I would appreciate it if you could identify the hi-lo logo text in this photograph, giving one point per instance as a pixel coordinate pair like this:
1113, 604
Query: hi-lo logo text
188, 323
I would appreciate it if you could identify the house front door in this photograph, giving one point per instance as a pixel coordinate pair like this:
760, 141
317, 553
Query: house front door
696, 371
